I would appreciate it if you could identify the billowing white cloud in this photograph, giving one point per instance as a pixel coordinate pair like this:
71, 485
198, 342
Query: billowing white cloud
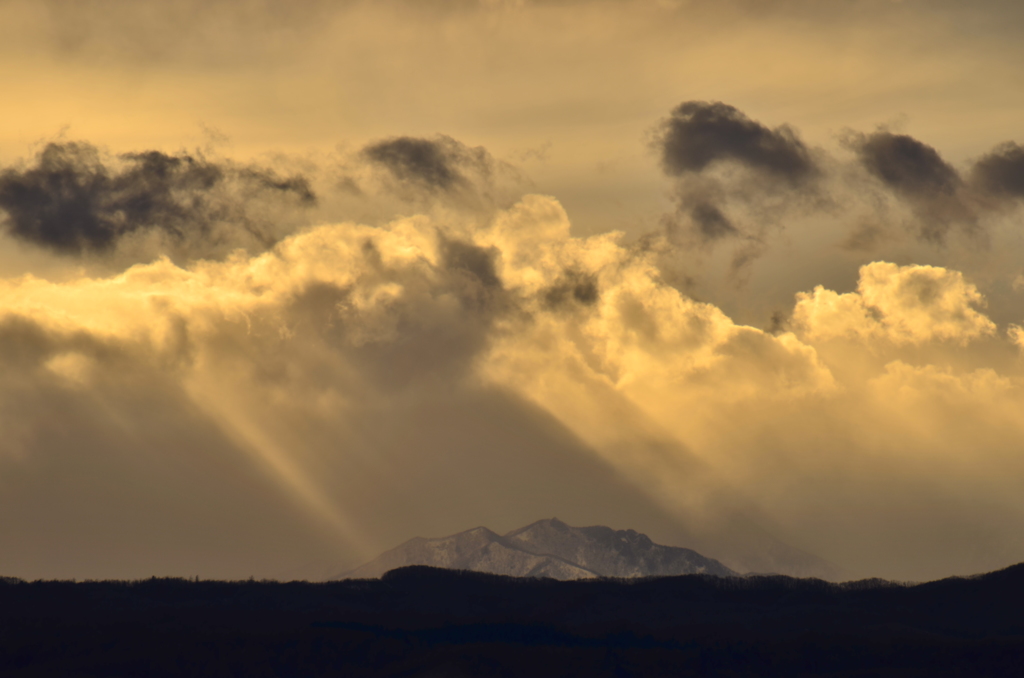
899, 304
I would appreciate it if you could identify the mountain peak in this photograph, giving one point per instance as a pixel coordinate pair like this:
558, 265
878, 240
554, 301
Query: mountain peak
547, 548
481, 531
553, 523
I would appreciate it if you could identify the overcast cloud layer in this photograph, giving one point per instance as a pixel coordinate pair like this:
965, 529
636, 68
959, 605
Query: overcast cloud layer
802, 352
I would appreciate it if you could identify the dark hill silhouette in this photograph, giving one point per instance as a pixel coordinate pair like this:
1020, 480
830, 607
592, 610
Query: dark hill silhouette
546, 548
420, 621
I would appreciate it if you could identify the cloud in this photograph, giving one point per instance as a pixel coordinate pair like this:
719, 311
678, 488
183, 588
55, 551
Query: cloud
917, 173
476, 262
734, 178
431, 163
941, 200
573, 287
906, 165
1016, 335
72, 201
901, 304
439, 175
441, 164
699, 134
1001, 171
710, 221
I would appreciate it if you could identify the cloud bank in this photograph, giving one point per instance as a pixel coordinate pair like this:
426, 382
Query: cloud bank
330, 373
247, 381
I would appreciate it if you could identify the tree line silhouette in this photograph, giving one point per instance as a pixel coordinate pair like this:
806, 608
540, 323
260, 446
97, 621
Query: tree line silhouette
420, 621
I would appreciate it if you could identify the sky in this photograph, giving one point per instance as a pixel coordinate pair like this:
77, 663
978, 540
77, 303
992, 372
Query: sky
283, 285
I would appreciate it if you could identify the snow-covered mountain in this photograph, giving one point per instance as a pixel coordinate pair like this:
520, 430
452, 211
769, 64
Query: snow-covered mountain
612, 553
546, 548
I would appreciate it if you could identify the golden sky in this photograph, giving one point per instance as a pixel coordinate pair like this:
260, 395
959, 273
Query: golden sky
285, 284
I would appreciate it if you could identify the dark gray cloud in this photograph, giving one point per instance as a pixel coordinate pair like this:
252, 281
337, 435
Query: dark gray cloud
917, 174
699, 134
72, 200
737, 183
391, 175
418, 160
904, 164
780, 174
573, 287
438, 164
710, 222
1001, 172
469, 259
472, 277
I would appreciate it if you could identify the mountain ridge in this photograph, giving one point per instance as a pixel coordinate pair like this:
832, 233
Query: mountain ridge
545, 548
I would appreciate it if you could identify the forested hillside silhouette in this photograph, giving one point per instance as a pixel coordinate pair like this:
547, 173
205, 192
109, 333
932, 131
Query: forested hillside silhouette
420, 621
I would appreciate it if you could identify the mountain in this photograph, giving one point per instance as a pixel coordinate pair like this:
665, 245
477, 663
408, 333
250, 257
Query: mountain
478, 549
546, 548
612, 553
